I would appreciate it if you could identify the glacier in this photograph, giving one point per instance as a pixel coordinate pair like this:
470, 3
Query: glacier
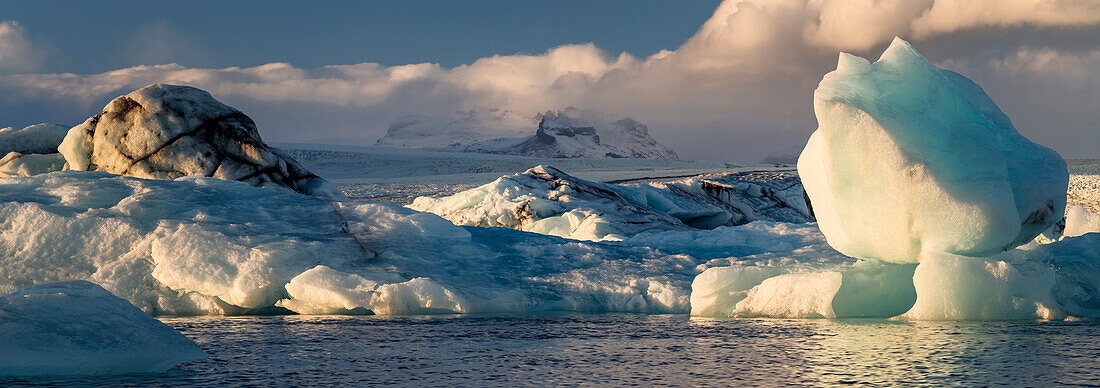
78, 328
910, 160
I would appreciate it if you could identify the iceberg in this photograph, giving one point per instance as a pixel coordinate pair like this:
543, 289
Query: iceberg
168, 131
548, 201
805, 289
1051, 281
911, 160
199, 245
78, 328
917, 176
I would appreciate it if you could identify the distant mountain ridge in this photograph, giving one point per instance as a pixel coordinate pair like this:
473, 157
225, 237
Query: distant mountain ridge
568, 133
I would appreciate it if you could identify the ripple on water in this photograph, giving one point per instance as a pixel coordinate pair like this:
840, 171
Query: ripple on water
621, 349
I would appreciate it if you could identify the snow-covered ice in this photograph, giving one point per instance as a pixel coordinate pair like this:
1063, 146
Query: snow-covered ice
546, 200
78, 328
200, 245
206, 246
910, 159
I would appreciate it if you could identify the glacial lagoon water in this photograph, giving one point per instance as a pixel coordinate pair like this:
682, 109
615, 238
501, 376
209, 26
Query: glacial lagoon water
618, 350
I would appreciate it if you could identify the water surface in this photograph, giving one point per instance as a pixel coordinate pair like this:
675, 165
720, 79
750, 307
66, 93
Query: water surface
621, 349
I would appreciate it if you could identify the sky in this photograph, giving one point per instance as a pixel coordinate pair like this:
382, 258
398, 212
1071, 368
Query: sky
722, 80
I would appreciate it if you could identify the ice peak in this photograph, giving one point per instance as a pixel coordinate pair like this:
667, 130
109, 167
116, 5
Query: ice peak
901, 52
544, 169
848, 63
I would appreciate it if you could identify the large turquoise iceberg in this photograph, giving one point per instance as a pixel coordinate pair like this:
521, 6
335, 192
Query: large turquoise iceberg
910, 160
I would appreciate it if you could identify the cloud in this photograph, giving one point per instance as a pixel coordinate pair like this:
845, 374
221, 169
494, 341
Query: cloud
861, 24
952, 15
17, 53
738, 89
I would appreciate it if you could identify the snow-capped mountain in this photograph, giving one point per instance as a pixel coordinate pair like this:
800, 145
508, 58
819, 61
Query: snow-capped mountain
568, 133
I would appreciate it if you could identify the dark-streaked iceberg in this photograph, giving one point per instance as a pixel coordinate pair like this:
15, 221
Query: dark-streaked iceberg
168, 131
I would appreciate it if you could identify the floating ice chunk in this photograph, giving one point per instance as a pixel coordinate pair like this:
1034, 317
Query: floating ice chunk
909, 159
716, 291
867, 288
1075, 263
792, 295
1035, 281
961, 288
78, 328
416, 296
323, 290
871, 288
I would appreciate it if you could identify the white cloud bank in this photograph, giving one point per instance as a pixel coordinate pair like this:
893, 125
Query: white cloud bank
739, 88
